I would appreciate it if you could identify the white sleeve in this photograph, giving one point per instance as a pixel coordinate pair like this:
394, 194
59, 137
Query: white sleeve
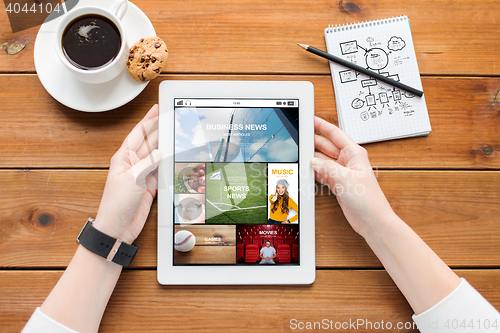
463, 310
41, 323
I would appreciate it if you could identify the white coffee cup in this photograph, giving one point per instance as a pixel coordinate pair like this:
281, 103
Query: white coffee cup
102, 74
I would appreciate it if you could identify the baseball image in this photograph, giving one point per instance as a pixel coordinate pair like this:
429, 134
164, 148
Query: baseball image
184, 241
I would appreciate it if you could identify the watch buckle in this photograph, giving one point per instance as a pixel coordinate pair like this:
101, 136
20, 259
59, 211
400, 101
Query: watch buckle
114, 250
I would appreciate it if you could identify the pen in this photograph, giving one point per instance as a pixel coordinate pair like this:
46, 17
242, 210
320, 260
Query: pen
363, 70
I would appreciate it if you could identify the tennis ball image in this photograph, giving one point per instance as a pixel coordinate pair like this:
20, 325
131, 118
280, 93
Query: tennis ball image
184, 241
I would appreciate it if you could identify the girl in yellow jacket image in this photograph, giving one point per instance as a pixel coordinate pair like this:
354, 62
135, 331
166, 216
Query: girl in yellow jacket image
281, 203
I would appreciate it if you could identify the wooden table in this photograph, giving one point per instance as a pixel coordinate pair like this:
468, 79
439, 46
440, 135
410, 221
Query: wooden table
54, 161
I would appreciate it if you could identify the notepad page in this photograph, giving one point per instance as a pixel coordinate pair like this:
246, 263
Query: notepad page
370, 110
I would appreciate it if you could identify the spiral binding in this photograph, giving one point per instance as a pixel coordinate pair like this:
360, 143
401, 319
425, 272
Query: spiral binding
364, 24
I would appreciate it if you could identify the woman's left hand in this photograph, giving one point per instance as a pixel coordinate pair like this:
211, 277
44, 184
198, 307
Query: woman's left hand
131, 184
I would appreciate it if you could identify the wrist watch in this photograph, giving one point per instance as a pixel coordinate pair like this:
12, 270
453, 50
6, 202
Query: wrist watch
112, 249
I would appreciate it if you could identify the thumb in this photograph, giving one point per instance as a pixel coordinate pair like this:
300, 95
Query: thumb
145, 166
328, 168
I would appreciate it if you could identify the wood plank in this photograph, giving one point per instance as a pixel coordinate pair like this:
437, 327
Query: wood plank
456, 212
140, 304
209, 235
37, 131
235, 36
202, 254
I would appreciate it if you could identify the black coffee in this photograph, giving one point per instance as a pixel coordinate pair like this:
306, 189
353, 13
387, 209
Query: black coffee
91, 41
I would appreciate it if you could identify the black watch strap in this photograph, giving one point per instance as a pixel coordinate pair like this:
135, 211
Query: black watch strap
106, 246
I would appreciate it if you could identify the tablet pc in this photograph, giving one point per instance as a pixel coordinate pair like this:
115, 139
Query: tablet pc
236, 190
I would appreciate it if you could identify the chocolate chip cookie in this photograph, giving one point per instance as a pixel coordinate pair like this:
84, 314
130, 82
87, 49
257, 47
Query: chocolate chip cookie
147, 58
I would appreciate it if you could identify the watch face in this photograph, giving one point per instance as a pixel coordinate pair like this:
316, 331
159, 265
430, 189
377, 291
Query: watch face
89, 220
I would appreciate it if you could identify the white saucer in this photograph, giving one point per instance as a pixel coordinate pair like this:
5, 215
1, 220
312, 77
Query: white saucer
76, 94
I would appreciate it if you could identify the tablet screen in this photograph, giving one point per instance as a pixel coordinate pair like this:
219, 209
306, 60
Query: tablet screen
236, 182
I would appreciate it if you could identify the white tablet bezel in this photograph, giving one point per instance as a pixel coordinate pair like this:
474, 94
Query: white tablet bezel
234, 274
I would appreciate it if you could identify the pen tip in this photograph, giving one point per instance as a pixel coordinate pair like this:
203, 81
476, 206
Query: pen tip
303, 46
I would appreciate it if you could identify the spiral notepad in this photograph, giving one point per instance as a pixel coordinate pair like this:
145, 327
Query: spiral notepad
369, 110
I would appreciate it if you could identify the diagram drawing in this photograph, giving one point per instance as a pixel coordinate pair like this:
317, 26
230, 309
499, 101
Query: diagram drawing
375, 99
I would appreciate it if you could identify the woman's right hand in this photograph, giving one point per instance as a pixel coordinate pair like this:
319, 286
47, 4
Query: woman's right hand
423, 278
275, 197
343, 165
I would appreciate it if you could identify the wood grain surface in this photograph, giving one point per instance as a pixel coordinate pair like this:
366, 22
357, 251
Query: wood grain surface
38, 132
253, 36
210, 235
456, 212
202, 254
140, 304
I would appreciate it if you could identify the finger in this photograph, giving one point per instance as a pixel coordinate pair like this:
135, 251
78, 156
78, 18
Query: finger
323, 156
145, 166
136, 137
322, 179
155, 174
152, 184
338, 137
327, 167
326, 146
150, 143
